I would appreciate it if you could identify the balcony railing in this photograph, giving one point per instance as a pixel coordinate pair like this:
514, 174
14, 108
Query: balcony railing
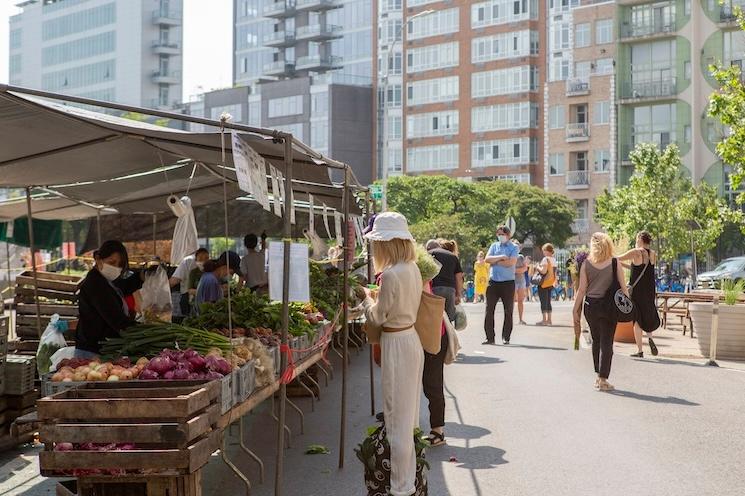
280, 39
581, 226
661, 26
166, 47
658, 88
577, 131
167, 77
728, 13
577, 179
627, 148
167, 18
578, 86
318, 5
318, 32
279, 68
280, 9
317, 63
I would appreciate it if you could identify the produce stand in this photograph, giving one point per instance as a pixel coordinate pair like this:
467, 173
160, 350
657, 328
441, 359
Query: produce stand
103, 148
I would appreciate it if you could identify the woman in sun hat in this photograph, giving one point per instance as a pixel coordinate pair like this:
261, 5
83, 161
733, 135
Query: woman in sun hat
394, 311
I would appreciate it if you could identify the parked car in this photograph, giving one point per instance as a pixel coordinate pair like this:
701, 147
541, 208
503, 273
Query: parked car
730, 268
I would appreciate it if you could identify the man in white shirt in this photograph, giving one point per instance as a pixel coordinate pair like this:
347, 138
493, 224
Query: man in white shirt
181, 277
253, 264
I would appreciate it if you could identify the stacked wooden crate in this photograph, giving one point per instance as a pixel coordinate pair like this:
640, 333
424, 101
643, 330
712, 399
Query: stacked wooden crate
57, 294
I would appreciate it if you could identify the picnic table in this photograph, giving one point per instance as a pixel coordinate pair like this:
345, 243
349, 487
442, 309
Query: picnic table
676, 304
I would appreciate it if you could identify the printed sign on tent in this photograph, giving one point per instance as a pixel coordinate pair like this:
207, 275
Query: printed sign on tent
311, 215
326, 220
276, 193
250, 169
299, 281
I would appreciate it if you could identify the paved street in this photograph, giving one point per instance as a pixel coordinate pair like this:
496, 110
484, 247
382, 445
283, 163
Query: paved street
523, 420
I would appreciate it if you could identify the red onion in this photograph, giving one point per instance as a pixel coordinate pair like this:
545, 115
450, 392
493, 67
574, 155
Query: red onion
180, 374
212, 375
161, 365
197, 363
169, 376
148, 375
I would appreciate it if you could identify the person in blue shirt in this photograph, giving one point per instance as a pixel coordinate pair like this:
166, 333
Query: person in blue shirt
209, 289
502, 258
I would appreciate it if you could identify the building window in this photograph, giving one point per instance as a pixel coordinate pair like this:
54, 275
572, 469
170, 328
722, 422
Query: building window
432, 57
521, 115
389, 31
582, 35
319, 134
76, 77
391, 5
393, 98
254, 114
582, 69
603, 31
15, 64
395, 127
319, 104
79, 21
432, 124
601, 113
687, 7
602, 160
431, 158
15, 39
289, 105
687, 70
437, 23
556, 117
654, 124
395, 160
559, 69
432, 90
556, 164
604, 66
560, 38
496, 12
687, 133
244, 65
504, 46
507, 152
234, 110
504, 81
582, 209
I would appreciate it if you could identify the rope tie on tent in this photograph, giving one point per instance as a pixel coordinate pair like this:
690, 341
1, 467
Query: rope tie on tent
191, 178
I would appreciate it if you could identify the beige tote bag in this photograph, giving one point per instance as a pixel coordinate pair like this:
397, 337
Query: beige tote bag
428, 323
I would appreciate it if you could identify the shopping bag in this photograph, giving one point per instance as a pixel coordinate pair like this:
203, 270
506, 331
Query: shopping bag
453, 341
375, 454
428, 323
185, 233
157, 305
461, 321
50, 342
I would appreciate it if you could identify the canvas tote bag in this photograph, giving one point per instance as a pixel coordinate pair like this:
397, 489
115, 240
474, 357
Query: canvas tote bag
428, 323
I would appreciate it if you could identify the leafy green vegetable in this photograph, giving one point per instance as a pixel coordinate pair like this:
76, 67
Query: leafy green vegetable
150, 339
317, 449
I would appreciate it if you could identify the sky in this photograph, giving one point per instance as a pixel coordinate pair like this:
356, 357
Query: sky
208, 35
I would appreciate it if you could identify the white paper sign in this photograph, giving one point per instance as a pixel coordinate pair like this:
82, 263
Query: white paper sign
276, 193
337, 229
9, 229
311, 215
299, 282
326, 220
250, 169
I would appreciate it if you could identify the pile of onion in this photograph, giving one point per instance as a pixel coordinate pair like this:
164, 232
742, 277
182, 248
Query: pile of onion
118, 370
182, 365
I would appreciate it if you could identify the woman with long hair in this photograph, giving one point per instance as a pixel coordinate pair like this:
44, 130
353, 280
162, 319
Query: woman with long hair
521, 284
481, 276
402, 356
547, 268
643, 293
595, 279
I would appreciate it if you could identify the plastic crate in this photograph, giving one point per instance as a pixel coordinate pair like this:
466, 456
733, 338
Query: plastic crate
227, 394
274, 353
4, 330
20, 372
48, 388
246, 378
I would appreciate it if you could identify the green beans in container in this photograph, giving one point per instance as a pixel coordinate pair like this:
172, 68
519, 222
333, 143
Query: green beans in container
428, 266
150, 339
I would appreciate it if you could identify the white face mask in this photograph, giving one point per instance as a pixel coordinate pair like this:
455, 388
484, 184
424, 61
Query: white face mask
110, 272
502, 238
200, 265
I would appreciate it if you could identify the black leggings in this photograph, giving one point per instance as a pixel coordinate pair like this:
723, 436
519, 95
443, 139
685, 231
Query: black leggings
602, 328
544, 294
434, 387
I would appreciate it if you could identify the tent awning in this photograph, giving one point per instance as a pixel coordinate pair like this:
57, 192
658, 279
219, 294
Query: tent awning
47, 207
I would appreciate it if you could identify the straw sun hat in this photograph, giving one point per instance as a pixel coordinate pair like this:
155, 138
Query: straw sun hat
388, 226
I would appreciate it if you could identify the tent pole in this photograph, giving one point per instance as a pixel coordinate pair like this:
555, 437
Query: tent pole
155, 225
7, 259
287, 232
368, 213
33, 259
348, 252
98, 226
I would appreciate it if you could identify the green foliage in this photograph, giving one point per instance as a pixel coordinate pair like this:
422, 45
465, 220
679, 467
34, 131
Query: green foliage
732, 290
220, 245
439, 206
660, 199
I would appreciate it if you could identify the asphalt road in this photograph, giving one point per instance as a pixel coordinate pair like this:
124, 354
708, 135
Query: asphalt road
522, 419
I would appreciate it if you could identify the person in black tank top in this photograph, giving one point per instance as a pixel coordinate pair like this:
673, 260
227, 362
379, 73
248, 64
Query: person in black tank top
643, 289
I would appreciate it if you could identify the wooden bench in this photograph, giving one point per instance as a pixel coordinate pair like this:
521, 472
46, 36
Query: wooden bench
676, 304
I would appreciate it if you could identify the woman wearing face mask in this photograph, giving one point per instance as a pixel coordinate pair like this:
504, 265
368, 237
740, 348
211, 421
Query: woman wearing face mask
103, 312
201, 256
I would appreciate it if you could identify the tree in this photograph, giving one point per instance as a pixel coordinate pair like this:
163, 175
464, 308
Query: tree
661, 200
439, 206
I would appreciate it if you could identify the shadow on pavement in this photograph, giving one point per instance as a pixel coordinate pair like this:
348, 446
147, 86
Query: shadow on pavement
671, 361
654, 399
478, 360
462, 431
476, 458
534, 347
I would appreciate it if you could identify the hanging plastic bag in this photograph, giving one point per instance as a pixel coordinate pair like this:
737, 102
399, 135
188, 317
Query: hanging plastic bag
156, 296
185, 233
51, 341
461, 321
66, 353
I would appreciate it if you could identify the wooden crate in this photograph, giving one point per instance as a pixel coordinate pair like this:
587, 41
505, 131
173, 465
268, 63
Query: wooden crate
47, 309
49, 280
184, 485
170, 422
26, 295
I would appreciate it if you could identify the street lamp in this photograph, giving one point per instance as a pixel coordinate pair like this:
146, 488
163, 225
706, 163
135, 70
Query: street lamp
384, 152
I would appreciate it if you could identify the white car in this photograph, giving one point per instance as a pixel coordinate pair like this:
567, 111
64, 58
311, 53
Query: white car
730, 268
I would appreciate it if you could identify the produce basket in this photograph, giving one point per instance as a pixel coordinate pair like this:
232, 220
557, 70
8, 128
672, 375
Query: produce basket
170, 423
19, 374
275, 354
246, 379
228, 385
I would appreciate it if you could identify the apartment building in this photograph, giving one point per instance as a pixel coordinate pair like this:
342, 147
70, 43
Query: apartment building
579, 106
128, 52
459, 88
284, 39
663, 96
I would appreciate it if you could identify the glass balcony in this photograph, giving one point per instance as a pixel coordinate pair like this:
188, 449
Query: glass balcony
650, 89
581, 226
627, 148
280, 10
318, 63
318, 32
280, 39
728, 14
166, 48
317, 5
167, 18
167, 77
577, 131
280, 68
656, 27
577, 179
578, 86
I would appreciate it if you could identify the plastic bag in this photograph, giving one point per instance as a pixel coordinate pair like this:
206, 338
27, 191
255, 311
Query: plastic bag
461, 321
185, 233
68, 352
156, 296
51, 341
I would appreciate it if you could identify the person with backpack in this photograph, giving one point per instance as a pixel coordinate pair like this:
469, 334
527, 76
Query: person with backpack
596, 294
546, 278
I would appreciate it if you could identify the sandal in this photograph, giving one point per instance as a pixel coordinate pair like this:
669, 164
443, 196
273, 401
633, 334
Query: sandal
435, 439
653, 347
604, 385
